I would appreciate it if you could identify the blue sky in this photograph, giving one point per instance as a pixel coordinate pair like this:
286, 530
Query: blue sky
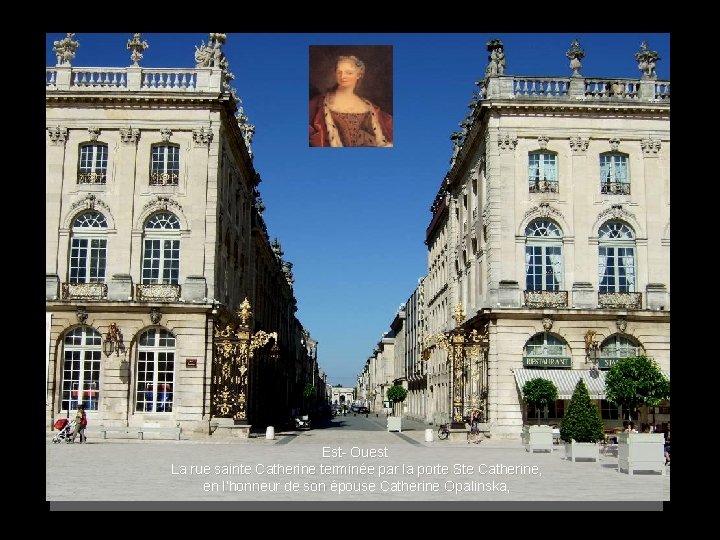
353, 220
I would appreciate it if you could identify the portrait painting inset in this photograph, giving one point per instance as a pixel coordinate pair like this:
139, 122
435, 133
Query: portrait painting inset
351, 96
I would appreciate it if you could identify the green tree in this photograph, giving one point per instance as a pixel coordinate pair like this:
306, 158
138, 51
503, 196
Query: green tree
539, 393
634, 382
582, 421
397, 393
308, 390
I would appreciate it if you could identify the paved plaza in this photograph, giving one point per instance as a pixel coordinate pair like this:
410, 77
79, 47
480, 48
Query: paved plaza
350, 459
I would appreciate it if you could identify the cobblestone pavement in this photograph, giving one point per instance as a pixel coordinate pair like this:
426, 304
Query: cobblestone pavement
351, 458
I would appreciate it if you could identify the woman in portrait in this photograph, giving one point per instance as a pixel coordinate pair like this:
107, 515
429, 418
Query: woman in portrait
340, 117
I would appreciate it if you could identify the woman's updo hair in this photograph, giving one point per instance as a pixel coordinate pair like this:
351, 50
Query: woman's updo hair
355, 61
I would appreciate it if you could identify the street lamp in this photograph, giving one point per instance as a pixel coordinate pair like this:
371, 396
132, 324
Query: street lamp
234, 347
466, 352
113, 341
592, 351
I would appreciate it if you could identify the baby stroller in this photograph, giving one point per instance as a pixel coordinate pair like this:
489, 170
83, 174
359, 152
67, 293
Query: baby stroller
65, 432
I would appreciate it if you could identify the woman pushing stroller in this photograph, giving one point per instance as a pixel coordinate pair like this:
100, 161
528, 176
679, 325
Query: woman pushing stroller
80, 424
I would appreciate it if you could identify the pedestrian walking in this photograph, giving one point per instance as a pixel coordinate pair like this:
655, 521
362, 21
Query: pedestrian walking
80, 424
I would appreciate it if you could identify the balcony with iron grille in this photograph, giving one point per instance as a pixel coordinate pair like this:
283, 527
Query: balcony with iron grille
97, 177
544, 186
615, 188
157, 292
164, 179
84, 291
546, 299
620, 300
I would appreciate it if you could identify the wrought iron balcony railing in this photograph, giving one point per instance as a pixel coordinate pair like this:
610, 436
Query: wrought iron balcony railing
544, 186
544, 299
84, 291
157, 292
92, 177
620, 300
615, 188
163, 179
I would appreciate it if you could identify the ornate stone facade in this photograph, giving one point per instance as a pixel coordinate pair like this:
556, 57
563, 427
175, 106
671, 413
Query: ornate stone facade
525, 315
220, 251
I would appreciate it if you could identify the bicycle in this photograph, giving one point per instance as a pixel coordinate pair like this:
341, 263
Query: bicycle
443, 432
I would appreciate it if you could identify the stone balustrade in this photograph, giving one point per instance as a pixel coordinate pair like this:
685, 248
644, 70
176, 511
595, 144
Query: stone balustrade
540, 86
575, 88
133, 78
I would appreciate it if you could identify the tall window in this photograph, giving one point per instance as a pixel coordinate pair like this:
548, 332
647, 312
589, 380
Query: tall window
161, 249
88, 248
542, 172
545, 344
543, 256
614, 177
81, 369
616, 261
155, 371
165, 165
93, 164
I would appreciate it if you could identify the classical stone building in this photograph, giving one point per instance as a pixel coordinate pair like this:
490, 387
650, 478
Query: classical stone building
154, 237
378, 374
552, 231
342, 396
413, 330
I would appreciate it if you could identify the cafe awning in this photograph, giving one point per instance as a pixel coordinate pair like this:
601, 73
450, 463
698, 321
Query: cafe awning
565, 380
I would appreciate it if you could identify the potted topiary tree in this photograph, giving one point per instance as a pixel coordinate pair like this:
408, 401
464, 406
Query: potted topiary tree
539, 393
397, 395
582, 426
631, 383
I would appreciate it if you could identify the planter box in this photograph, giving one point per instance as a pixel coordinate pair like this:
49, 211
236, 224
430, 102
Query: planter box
537, 438
458, 435
582, 450
394, 423
641, 452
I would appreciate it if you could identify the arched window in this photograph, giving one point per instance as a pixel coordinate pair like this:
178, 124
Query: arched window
546, 345
543, 256
155, 370
161, 249
165, 165
542, 172
614, 176
88, 248
620, 346
81, 369
92, 166
616, 261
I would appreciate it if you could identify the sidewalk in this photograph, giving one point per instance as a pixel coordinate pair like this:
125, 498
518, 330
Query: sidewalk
352, 458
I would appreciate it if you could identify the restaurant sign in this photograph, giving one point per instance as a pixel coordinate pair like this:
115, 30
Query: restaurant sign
547, 361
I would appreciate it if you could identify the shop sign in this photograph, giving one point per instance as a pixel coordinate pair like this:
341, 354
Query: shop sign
547, 361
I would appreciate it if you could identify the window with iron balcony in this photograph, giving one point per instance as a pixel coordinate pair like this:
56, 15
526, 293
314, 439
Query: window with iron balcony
614, 177
92, 166
542, 172
165, 165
